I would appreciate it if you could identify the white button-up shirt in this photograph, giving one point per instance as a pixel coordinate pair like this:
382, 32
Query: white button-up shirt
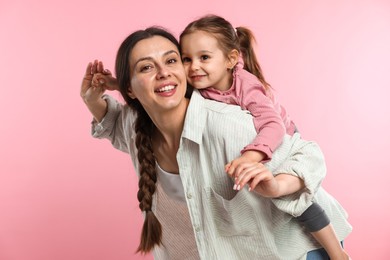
231, 224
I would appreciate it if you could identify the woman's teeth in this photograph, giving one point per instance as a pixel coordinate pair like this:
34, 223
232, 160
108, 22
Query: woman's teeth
165, 89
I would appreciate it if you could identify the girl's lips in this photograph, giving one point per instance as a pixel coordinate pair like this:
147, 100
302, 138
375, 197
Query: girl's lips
197, 77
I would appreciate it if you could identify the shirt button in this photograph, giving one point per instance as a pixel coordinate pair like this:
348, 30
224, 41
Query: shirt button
189, 195
197, 229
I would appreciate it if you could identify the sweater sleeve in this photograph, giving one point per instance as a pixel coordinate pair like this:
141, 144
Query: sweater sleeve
268, 123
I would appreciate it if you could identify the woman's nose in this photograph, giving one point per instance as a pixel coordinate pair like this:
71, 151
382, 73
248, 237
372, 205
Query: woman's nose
163, 72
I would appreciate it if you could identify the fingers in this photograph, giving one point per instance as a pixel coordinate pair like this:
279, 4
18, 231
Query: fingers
100, 67
98, 81
97, 67
257, 179
107, 72
235, 167
227, 167
88, 70
94, 67
86, 82
249, 172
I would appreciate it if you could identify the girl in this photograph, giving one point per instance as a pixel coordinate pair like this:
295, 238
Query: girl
211, 52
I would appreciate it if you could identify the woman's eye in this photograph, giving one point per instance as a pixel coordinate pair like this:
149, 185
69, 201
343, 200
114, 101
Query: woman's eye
170, 61
146, 68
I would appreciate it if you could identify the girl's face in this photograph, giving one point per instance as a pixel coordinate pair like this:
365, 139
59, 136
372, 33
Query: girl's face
157, 75
204, 62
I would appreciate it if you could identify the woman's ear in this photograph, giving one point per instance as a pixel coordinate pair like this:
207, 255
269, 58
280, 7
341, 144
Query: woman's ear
130, 93
233, 57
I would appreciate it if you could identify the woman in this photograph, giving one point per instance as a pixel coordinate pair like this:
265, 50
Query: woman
197, 214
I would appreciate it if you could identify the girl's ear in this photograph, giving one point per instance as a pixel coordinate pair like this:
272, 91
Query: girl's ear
130, 93
233, 57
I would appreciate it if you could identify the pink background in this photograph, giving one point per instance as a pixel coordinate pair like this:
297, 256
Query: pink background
64, 195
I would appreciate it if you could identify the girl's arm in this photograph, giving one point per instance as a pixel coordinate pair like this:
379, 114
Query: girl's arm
268, 124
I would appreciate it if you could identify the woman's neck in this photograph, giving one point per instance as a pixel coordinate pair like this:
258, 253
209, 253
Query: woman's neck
166, 139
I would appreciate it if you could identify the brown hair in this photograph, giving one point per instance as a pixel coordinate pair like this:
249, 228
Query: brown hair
241, 39
151, 231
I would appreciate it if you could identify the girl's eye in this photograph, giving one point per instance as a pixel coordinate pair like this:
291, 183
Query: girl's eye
204, 57
186, 60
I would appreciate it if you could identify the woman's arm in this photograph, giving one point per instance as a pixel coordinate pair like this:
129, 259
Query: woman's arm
262, 181
112, 120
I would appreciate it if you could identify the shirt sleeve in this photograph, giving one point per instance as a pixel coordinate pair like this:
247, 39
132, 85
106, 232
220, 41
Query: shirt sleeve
268, 123
307, 162
115, 125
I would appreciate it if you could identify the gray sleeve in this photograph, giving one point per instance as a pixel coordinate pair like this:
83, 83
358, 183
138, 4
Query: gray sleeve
314, 218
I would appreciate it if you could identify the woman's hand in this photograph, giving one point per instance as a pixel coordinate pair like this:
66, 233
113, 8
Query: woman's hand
262, 181
258, 177
92, 95
234, 167
105, 80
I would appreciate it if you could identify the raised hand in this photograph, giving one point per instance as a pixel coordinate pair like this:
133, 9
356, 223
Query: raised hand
105, 80
92, 95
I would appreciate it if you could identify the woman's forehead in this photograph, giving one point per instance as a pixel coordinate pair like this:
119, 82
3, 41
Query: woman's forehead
153, 47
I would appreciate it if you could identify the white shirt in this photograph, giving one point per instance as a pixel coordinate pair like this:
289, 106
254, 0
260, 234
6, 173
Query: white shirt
228, 224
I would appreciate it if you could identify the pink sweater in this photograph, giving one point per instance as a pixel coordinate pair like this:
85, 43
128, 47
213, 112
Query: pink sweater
270, 118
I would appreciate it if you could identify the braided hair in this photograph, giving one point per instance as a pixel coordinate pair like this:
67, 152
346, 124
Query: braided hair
151, 234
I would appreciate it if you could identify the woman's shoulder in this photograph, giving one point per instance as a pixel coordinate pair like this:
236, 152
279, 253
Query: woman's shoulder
216, 116
199, 103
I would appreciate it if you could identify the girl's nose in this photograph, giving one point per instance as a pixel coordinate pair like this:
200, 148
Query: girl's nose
194, 66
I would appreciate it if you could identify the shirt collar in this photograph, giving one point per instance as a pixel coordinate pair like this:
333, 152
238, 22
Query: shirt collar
195, 118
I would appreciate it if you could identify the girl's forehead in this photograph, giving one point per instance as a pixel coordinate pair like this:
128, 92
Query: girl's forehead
200, 33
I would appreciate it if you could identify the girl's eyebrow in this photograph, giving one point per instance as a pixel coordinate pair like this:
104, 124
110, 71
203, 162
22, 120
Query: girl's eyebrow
150, 58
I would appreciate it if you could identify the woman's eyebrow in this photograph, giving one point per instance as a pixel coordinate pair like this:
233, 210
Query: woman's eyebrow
171, 51
150, 58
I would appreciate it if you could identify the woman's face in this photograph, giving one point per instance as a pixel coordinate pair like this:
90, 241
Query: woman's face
157, 74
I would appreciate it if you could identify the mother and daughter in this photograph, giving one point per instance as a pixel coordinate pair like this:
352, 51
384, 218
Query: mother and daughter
195, 157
